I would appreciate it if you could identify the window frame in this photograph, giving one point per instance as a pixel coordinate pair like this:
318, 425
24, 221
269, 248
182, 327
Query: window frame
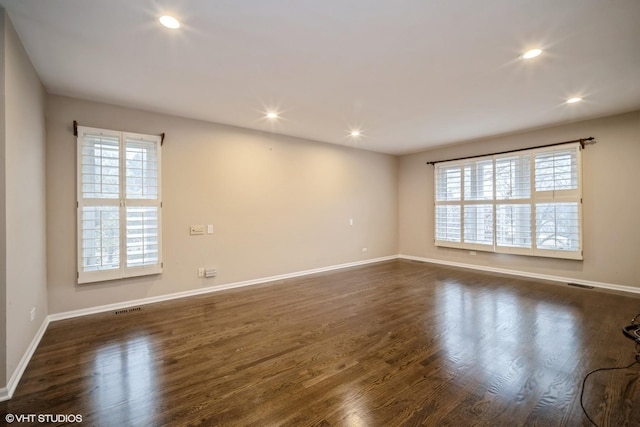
529, 196
122, 202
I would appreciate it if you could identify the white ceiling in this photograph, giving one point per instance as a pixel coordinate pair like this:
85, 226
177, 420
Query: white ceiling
412, 74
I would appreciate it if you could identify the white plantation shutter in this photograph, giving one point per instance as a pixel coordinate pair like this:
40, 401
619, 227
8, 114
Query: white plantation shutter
142, 197
513, 203
527, 203
119, 205
448, 223
478, 179
558, 202
448, 182
100, 164
142, 236
478, 224
142, 168
556, 170
478, 215
557, 226
513, 226
100, 245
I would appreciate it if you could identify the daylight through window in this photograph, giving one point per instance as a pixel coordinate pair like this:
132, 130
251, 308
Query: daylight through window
528, 202
119, 205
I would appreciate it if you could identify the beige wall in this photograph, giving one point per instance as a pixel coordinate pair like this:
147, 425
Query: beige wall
610, 207
25, 199
278, 204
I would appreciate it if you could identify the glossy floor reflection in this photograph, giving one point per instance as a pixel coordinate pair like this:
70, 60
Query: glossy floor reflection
395, 343
124, 378
520, 353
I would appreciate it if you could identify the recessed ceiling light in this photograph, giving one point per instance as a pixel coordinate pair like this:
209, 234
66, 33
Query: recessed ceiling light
355, 133
532, 53
169, 22
574, 100
272, 115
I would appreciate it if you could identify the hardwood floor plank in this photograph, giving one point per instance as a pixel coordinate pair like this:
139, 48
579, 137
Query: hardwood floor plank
397, 343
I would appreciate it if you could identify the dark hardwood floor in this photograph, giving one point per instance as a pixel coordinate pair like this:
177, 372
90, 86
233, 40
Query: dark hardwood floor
389, 344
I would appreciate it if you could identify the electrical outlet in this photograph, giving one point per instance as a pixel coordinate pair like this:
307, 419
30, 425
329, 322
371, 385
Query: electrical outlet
201, 272
33, 314
364, 249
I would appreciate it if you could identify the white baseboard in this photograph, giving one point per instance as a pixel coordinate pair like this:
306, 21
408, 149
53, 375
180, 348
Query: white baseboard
7, 392
151, 300
551, 278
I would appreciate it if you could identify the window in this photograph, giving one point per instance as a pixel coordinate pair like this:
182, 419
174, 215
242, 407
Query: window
527, 203
119, 205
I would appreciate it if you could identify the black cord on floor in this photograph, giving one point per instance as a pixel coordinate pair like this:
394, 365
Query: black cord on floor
598, 370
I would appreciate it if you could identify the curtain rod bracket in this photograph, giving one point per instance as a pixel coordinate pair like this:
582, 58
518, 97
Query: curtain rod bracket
585, 141
161, 139
582, 141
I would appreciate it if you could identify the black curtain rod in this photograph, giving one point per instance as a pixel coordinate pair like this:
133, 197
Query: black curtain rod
582, 142
75, 132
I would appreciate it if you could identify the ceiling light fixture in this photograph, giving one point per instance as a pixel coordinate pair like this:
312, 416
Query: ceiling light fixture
169, 22
532, 53
355, 133
574, 100
272, 115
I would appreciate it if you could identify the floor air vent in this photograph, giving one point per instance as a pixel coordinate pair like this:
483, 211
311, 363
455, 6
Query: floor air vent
127, 310
577, 285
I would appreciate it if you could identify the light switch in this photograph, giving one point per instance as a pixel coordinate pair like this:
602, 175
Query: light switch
209, 229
